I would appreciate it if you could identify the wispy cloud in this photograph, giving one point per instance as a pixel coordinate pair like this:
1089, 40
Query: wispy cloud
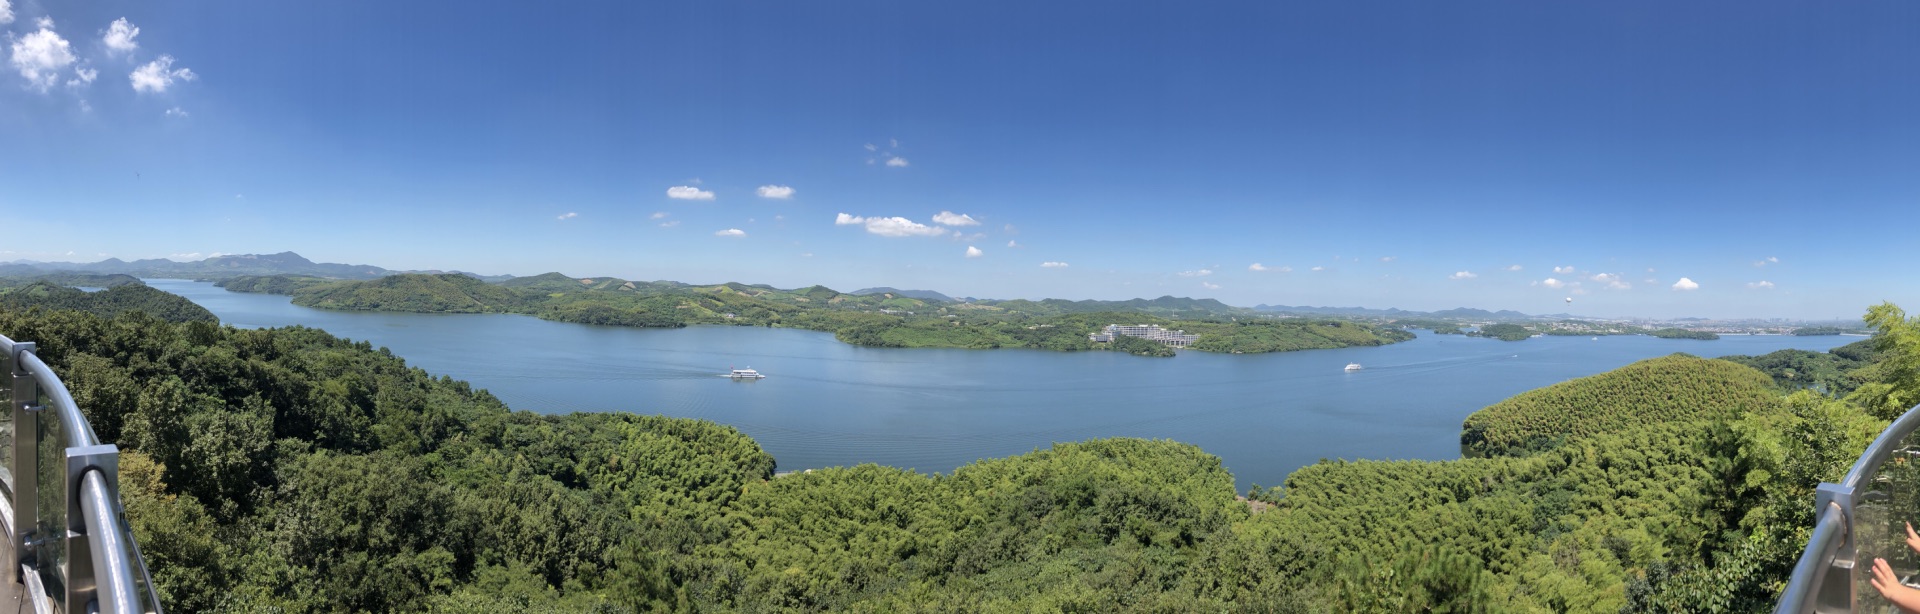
1766, 261
1462, 275
567, 216
6, 12
1053, 265
176, 112
780, 192
890, 226
687, 192
974, 252
1614, 281
1209, 286
898, 162
1388, 258
158, 75
731, 232
1012, 244
1256, 267
658, 215
1552, 283
1198, 273
1685, 285
1319, 268
1514, 268
872, 147
670, 223
955, 219
1761, 285
1563, 270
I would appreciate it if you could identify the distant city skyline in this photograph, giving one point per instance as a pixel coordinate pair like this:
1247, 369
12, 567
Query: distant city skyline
1643, 159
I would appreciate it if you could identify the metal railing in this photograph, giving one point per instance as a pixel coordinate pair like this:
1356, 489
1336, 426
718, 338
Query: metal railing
69, 548
1857, 520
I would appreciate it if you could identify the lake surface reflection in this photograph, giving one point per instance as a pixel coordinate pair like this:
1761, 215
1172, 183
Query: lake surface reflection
825, 403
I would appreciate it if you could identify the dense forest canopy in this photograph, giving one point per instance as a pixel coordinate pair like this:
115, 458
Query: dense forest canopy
289, 470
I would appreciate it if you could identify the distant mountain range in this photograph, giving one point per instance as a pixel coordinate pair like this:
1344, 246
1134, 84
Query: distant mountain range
289, 263
283, 263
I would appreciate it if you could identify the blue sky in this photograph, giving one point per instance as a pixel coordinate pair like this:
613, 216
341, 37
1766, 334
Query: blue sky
1504, 155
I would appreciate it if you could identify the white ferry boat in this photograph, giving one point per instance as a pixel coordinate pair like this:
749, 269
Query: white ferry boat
1353, 366
747, 373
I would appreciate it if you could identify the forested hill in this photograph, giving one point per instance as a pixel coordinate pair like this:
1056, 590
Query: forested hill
1677, 388
287, 470
443, 293
879, 320
110, 302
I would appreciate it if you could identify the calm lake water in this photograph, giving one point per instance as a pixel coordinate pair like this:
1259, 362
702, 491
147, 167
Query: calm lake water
826, 403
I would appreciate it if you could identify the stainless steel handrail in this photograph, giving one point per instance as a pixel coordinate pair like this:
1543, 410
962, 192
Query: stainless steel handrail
117, 595
110, 565
72, 422
1831, 553
1803, 587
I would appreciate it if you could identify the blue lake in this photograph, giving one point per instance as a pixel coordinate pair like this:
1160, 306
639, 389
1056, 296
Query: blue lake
825, 403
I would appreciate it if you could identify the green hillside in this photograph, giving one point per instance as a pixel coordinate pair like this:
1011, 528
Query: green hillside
1676, 388
106, 303
423, 293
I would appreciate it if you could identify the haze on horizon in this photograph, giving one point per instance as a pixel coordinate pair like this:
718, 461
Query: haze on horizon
1714, 159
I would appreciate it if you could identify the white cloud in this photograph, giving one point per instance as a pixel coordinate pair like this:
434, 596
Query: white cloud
176, 112
670, 223
1199, 273
180, 257
568, 215
894, 143
955, 219
1053, 265
1462, 275
897, 162
1011, 243
158, 75
1614, 281
658, 215
1256, 267
731, 232
41, 56
1514, 268
775, 191
44, 22
1563, 270
119, 36
1319, 268
687, 192
974, 252
872, 147
6, 12
1761, 285
890, 226
1768, 260
1209, 286
1685, 284
83, 76
1387, 258
1552, 283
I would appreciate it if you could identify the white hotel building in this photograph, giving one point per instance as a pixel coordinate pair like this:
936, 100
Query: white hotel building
1150, 332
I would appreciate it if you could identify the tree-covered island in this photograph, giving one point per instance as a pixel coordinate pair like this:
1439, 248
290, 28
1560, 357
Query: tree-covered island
874, 320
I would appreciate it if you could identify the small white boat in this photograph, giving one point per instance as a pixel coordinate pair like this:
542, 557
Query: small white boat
1353, 366
747, 373
1596, 338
